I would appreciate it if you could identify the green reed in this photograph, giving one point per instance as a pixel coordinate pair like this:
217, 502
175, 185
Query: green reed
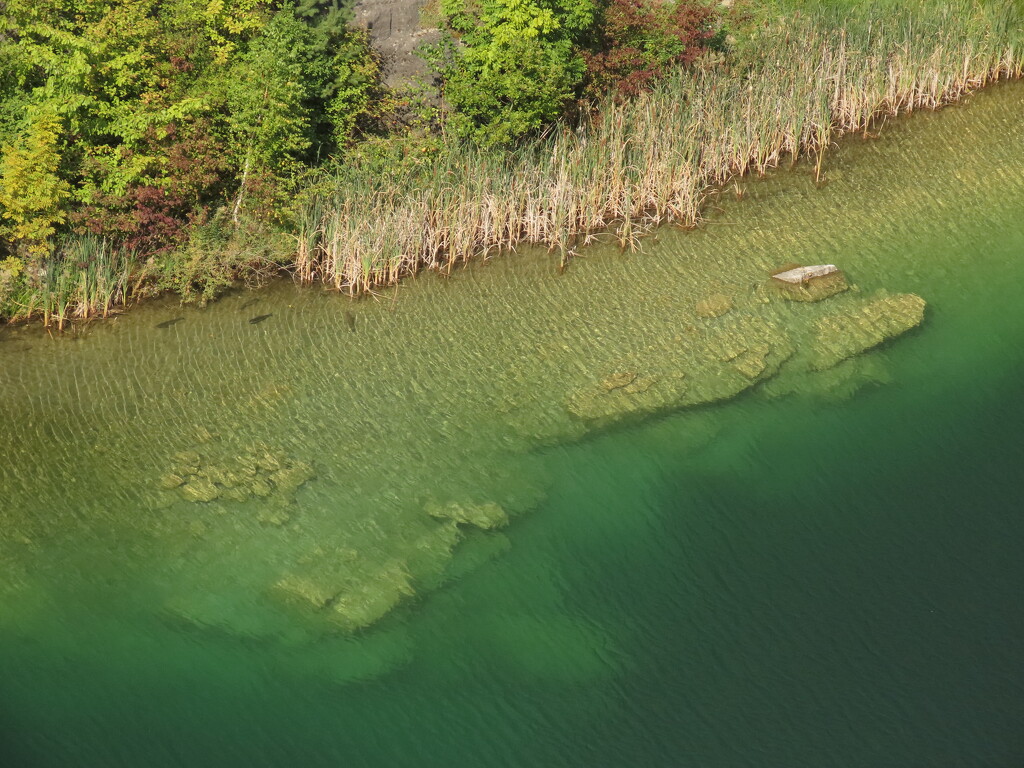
85, 277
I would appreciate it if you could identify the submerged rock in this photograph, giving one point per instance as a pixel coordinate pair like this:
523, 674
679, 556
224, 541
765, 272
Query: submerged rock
185, 462
368, 602
261, 488
850, 331
715, 305
732, 358
718, 363
169, 481
289, 478
199, 489
599, 404
478, 549
275, 513
618, 380
430, 553
812, 289
487, 515
838, 383
306, 592
260, 474
235, 493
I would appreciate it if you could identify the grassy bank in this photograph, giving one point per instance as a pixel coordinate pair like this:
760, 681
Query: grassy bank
795, 76
797, 83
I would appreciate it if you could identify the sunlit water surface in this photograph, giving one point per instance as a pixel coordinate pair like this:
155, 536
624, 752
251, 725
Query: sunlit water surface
819, 571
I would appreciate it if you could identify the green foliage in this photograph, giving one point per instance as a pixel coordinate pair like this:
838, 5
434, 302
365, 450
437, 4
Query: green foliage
170, 109
269, 90
31, 192
10, 271
200, 270
353, 95
510, 66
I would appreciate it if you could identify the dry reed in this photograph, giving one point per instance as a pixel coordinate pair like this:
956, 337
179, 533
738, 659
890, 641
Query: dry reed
654, 160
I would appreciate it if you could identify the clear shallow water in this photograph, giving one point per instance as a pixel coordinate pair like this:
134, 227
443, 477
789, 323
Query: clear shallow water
811, 579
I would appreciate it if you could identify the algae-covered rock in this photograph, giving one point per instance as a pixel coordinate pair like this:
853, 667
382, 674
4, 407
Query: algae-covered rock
185, 463
288, 479
366, 603
274, 514
235, 493
852, 330
268, 462
487, 515
479, 549
431, 553
715, 305
718, 362
618, 380
238, 478
838, 383
733, 358
170, 481
753, 361
199, 489
261, 487
305, 591
643, 394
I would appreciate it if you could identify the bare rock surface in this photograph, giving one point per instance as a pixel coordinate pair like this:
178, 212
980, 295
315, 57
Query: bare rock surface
395, 31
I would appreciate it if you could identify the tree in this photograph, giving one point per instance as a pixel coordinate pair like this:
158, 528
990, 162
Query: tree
31, 191
269, 91
510, 66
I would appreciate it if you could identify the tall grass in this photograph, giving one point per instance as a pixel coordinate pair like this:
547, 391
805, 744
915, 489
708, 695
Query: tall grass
809, 76
85, 277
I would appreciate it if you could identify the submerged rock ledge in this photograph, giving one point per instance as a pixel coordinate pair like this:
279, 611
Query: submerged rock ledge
718, 362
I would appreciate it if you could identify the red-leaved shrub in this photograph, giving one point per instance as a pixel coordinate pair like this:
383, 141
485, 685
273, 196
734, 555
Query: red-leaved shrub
639, 40
153, 214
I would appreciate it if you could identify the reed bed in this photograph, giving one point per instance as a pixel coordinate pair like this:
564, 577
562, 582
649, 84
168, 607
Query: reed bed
654, 160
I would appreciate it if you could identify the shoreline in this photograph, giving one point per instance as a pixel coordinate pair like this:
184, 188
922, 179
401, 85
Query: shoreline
653, 161
656, 158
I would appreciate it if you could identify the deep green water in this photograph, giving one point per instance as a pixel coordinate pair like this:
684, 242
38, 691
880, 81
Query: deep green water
813, 573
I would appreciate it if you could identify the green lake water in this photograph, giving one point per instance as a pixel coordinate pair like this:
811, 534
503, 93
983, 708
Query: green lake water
720, 550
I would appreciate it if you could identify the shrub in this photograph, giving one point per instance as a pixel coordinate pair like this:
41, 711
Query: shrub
638, 41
